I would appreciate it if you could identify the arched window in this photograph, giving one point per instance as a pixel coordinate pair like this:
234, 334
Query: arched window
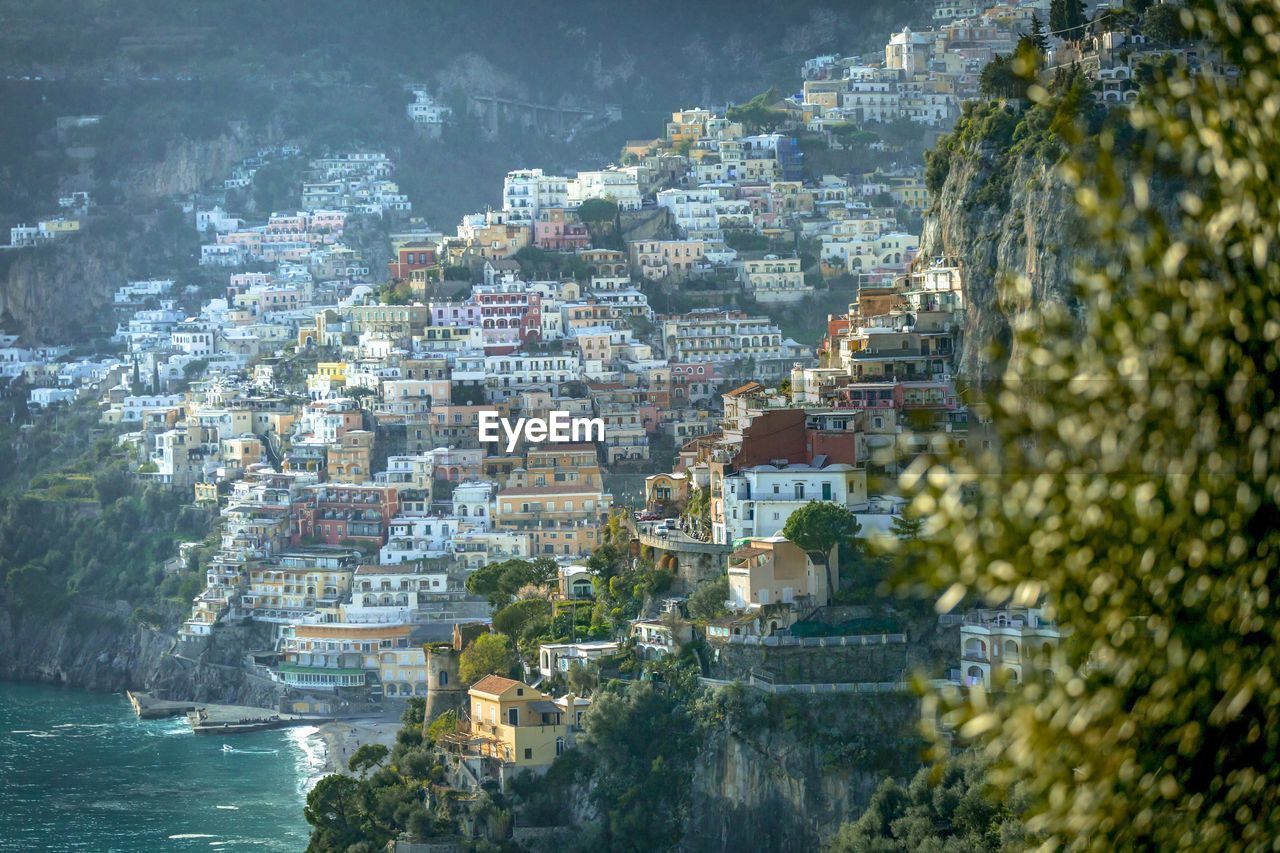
444, 678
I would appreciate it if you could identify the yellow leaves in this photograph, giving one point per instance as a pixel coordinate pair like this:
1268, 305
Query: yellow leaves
949, 599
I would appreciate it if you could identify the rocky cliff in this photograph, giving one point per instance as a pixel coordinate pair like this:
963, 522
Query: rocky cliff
1005, 215
186, 166
786, 771
94, 646
97, 646
61, 292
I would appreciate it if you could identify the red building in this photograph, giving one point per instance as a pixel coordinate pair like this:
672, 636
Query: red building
410, 257
336, 513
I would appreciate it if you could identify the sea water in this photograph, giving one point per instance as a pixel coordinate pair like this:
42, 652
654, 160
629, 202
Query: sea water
79, 771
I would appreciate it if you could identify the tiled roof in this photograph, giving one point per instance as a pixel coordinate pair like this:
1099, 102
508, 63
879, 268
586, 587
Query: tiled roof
494, 685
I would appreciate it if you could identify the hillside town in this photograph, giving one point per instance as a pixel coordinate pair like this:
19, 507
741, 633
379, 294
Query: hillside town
329, 406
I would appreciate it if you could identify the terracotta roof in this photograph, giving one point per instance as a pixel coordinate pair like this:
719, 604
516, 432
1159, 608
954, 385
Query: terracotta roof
494, 685
750, 387
743, 553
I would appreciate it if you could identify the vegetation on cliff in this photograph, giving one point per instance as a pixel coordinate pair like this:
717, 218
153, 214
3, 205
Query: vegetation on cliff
1137, 487
74, 524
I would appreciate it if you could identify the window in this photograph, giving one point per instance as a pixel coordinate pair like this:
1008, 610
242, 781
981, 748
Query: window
528, 754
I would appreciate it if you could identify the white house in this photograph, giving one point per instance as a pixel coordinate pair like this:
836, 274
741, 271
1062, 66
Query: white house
559, 657
759, 500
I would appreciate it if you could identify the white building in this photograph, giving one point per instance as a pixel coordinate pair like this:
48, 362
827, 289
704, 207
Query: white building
427, 112
774, 280
559, 657
414, 538
386, 594
759, 500
527, 191
621, 186
1018, 642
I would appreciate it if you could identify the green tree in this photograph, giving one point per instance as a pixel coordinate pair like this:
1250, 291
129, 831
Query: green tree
819, 526
335, 810
598, 210
1038, 36
500, 582
997, 80
1137, 495
757, 115
489, 654
583, 679
707, 601
1163, 24
1067, 18
907, 527
955, 810
445, 724
366, 757
518, 615
641, 745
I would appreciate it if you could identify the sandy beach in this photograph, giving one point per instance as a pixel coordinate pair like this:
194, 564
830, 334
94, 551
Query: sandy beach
342, 738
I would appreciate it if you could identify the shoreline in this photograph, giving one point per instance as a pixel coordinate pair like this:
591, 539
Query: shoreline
340, 739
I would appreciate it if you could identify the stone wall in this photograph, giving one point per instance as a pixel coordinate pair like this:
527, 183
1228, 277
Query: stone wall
834, 660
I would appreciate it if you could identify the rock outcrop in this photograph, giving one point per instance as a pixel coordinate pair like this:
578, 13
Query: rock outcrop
94, 646
98, 646
790, 787
1003, 217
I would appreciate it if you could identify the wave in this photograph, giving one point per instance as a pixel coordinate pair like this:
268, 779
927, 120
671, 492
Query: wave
227, 748
22, 731
41, 734
228, 808
188, 835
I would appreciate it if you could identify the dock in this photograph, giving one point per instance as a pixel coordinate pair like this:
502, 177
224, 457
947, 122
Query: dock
147, 707
236, 719
217, 719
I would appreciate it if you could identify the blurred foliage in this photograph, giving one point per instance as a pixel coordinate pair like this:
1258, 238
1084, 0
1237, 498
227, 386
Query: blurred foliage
1137, 490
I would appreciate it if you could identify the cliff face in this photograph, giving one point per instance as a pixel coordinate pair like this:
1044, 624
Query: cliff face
789, 784
1003, 217
61, 292
97, 647
55, 294
94, 647
186, 166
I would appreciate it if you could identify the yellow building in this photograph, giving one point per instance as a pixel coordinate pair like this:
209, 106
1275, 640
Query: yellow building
560, 520
286, 588
909, 192
350, 459
334, 371
518, 725
330, 655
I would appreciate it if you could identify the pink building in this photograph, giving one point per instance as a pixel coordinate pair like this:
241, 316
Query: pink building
558, 230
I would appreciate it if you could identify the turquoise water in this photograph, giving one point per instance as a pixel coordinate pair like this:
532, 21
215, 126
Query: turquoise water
78, 771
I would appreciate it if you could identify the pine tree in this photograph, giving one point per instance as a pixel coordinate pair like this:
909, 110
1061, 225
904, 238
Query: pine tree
1066, 18
1038, 36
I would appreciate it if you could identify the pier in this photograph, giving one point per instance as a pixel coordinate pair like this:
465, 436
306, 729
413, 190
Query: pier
147, 707
217, 719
